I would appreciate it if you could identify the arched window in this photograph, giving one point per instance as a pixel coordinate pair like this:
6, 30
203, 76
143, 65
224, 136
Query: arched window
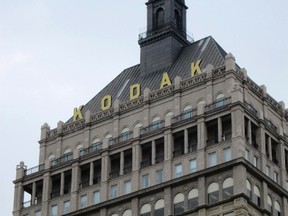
169, 114
124, 135
193, 199
228, 188
145, 210
213, 193
219, 100
108, 137
248, 187
179, 203
156, 123
160, 17
114, 215
67, 155
159, 208
52, 158
187, 112
257, 195
138, 125
269, 203
128, 212
177, 19
277, 208
96, 145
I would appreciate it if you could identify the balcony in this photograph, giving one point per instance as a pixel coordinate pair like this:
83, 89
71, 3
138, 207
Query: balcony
155, 126
34, 170
219, 104
159, 158
84, 184
127, 169
250, 109
145, 163
185, 116
211, 142
178, 152
114, 174
54, 194
122, 138
192, 147
270, 124
62, 160
94, 148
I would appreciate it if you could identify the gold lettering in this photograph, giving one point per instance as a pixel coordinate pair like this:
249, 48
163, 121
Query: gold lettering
106, 102
195, 68
134, 91
165, 80
77, 114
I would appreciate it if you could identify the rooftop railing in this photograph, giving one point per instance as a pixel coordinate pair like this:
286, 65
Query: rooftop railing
94, 148
35, 169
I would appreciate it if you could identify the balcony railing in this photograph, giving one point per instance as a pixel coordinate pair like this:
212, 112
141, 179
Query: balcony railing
97, 179
178, 152
122, 138
127, 168
27, 204
84, 184
218, 104
114, 174
63, 159
145, 163
185, 116
211, 142
96, 147
250, 109
55, 194
192, 147
152, 127
34, 169
159, 158
270, 124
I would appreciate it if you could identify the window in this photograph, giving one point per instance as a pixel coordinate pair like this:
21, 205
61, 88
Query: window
178, 170
212, 159
269, 203
156, 123
160, 17
38, 213
128, 212
247, 154
83, 201
66, 207
159, 208
227, 154
187, 112
213, 193
193, 165
276, 177
286, 185
228, 190
277, 208
159, 176
248, 186
127, 187
96, 145
220, 100
145, 181
96, 197
255, 161
114, 191
124, 135
193, 199
179, 203
267, 170
54, 210
145, 210
257, 196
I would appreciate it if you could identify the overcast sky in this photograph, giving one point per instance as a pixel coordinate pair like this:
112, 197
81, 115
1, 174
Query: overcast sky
57, 54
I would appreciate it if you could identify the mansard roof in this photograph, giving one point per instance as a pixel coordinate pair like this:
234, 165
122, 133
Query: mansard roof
206, 49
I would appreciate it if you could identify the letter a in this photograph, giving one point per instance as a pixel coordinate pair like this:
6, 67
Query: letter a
134, 91
77, 113
165, 80
195, 68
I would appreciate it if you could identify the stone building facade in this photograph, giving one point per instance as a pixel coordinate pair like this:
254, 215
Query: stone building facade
195, 137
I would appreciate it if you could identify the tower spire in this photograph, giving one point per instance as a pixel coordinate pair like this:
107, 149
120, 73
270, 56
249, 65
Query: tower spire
165, 35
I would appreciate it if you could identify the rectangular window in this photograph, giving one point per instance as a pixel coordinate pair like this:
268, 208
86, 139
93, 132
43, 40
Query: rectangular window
246, 154
255, 161
267, 171
212, 159
145, 181
159, 176
66, 207
178, 170
276, 177
193, 165
96, 197
54, 210
287, 185
114, 191
227, 154
83, 201
38, 213
127, 187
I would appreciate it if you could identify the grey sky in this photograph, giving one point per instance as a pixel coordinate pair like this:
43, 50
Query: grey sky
57, 54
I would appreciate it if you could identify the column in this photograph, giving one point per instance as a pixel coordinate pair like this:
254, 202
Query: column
168, 201
220, 130
135, 204
121, 163
33, 193
270, 147
153, 152
249, 132
202, 192
91, 179
136, 156
62, 184
186, 141
75, 185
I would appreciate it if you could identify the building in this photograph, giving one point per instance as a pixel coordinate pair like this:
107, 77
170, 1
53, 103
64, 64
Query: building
185, 132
